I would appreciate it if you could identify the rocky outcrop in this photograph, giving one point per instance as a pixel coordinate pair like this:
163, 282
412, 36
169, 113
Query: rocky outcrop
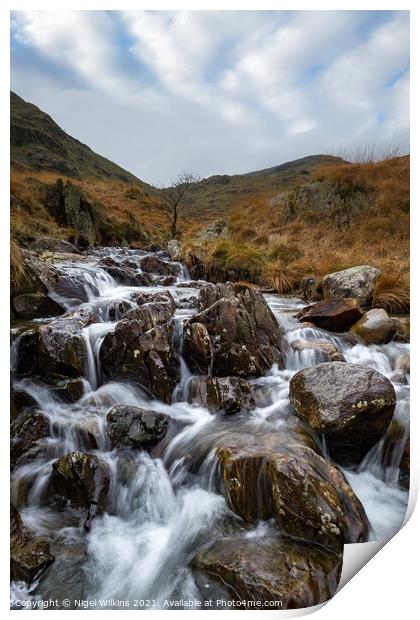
312, 288
226, 395
350, 405
237, 335
273, 569
83, 479
148, 358
29, 554
174, 249
123, 273
50, 244
375, 327
134, 427
336, 315
61, 345
211, 293
356, 282
283, 479
153, 264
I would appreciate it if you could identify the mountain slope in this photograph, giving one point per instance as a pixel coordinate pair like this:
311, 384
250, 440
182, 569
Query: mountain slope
38, 143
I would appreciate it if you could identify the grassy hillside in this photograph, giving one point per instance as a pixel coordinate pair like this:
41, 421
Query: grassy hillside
344, 215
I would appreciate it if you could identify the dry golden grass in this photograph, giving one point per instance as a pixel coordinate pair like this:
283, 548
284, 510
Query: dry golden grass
392, 293
19, 276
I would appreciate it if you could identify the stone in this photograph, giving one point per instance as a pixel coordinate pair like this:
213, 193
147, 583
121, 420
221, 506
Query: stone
35, 306
337, 315
25, 433
174, 249
356, 282
227, 395
134, 427
375, 327
294, 573
325, 351
402, 328
312, 288
50, 244
29, 554
350, 405
153, 264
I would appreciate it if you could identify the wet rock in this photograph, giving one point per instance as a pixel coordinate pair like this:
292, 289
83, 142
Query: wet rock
134, 427
153, 264
235, 336
227, 395
312, 288
61, 345
192, 284
19, 400
29, 554
65, 580
375, 327
352, 416
49, 244
336, 315
403, 363
211, 293
123, 273
24, 358
147, 316
69, 390
36, 305
356, 282
306, 494
326, 351
294, 573
404, 477
148, 358
25, 433
402, 329
174, 249
83, 479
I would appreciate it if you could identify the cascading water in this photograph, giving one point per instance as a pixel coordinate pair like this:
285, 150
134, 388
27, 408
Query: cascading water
159, 508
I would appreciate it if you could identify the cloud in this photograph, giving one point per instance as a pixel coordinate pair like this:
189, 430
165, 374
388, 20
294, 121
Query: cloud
216, 91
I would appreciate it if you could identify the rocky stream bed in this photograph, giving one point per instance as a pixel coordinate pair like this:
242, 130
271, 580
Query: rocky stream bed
174, 439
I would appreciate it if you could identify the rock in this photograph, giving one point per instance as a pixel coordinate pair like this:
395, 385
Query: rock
273, 569
174, 249
402, 329
404, 477
375, 327
215, 230
403, 363
84, 480
192, 284
49, 244
211, 293
69, 390
65, 580
235, 336
306, 495
36, 305
312, 288
62, 347
228, 394
19, 401
326, 351
29, 554
352, 416
24, 358
336, 315
25, 433
356, 282
153, 264
134, 427
123, 273
147, 316
148, 358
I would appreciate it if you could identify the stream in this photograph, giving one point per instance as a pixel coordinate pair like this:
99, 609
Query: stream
159, 511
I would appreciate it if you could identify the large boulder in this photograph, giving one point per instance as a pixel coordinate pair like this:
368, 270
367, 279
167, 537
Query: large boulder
221, 394
174, 249
50, 244
375, 327
402, 328
61, 345
134, 427
237, 335
312, 288
357, 282
125, 274
35, 306
29, 554
306, 494
336, 315
276, 569
25, 433
323, 350
350, 405
148, 358
84, 480
211, 293
153, 264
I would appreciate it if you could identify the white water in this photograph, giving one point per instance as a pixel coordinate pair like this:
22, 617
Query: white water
158, 512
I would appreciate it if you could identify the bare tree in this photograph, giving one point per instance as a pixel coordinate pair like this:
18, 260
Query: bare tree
176, 200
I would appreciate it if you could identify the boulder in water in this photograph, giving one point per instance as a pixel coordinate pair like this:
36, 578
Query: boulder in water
356, 282
61, 345
224, 394
35, 306
351, 405
148, 358
402, 328
312, 288
238, 334
29, 554
404, 477
25, 433
157, 266
336, 315
292, 573
83, 479
375, 327
174, 249
134, 427
325, 350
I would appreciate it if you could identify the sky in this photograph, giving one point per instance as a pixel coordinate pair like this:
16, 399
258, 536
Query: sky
216, 92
